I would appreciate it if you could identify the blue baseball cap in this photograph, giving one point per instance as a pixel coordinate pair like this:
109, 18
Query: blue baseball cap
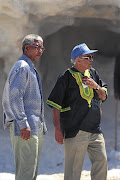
80, 50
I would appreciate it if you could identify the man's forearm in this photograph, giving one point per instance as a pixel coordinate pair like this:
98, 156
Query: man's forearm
101, 93
56, 118
56, 121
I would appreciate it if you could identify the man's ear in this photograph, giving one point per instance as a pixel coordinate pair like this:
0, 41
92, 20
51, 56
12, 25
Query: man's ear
26, 47
78, 59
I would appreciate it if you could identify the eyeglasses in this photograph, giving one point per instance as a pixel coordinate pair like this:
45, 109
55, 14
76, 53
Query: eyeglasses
39, 48
87, 57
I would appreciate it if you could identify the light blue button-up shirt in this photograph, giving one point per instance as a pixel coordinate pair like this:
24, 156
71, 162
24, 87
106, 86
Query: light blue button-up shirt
22, 97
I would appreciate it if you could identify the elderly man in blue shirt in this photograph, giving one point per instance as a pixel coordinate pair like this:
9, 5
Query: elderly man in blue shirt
24, 109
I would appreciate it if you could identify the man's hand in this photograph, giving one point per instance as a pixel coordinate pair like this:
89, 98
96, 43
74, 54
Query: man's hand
92, 84
25, 133
58, 136
89, 82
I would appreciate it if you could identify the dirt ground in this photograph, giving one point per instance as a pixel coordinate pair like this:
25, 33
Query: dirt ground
51, 165
112, 175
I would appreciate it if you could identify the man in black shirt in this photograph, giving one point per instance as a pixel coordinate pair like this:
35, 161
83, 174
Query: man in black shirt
75, 100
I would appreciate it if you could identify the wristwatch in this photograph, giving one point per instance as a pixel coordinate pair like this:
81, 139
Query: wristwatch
98, 87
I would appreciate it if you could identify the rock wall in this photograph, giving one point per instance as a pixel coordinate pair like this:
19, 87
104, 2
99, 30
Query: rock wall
63, 24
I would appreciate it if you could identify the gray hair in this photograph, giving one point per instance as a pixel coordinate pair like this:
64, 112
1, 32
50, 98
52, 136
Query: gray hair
29, 40
73, 61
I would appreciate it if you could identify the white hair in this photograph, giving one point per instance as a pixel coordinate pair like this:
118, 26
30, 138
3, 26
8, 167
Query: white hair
29, 40
73, 61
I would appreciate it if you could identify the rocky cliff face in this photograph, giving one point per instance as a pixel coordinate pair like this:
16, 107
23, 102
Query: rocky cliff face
63, 24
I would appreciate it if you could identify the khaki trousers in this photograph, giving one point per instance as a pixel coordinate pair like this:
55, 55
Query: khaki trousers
75, 150
26, 154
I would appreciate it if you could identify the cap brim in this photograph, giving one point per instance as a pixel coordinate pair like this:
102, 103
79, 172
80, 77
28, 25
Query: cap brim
90, 52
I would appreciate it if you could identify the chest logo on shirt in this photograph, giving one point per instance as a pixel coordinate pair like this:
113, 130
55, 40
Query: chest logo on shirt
85, 92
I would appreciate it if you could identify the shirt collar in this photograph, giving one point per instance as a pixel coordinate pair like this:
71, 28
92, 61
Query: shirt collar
27, 59
74, 69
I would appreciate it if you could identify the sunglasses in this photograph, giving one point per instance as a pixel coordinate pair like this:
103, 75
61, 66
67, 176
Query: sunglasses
39, 48
87, 57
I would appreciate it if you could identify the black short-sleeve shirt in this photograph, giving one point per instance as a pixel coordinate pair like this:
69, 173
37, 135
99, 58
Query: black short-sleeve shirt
75, 113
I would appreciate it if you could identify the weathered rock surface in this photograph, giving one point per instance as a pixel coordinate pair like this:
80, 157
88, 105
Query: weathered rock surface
45, 17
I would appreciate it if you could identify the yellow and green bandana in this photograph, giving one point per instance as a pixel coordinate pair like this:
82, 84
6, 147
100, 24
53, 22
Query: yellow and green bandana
86, 93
